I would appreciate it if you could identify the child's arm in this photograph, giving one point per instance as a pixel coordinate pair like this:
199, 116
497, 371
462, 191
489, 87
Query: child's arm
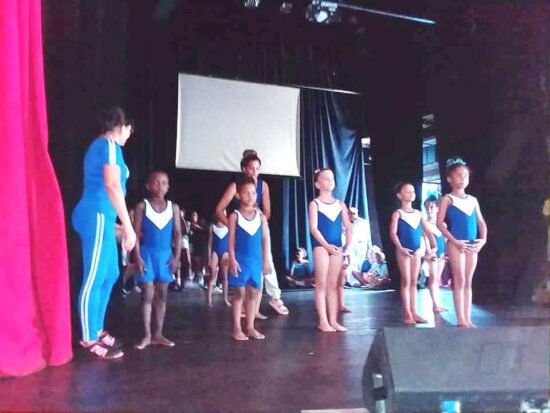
395, 239
443, 205
429, 236
227, 196
138, 220
347, 226
174, 262
234, 267
210, 243
482, 227
266, 201
331, 249
266, 267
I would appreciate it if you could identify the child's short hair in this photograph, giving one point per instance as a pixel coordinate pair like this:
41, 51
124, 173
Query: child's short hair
318, 172
453, 163
249, 155
432, 199
244, 180
399, 186
156, 171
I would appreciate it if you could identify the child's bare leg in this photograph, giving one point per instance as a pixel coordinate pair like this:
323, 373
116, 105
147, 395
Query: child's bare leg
252, 295
458, 263
237, 304
413, 289
321, 260
470, 267
159, 302
436, 269
257, 313
333, 287
404, 264
341, 297
147, 294
223, 272
213, 277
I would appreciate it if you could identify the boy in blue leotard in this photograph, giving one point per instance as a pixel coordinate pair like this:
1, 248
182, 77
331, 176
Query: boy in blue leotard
157, 254
248, 257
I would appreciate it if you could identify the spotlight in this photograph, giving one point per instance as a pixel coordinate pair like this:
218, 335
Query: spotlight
251, 4
324, 12
286, 7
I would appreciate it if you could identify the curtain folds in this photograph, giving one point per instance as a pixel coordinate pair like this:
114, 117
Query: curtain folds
34, 286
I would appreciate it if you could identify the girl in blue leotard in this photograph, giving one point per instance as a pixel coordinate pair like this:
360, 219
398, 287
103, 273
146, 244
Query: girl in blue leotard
460, 220
406, 229
327, 215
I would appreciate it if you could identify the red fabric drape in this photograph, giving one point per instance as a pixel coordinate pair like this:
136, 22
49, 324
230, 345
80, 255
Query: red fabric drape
35, 329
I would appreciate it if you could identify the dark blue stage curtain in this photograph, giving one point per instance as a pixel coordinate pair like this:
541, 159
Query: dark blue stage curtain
329, 139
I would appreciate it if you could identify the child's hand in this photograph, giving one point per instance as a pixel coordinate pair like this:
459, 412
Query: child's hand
477, 245
234, 268
266, 267
462, 246
333, 249
173, 263
140, 264
406, 252
430, 254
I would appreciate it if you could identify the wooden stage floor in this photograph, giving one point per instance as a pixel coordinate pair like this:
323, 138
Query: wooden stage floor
296, 368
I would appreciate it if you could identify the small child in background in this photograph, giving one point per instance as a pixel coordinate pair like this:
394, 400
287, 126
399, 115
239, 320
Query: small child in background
437, 262
218, 246
299, 275
406, 229
157, 254
248, 258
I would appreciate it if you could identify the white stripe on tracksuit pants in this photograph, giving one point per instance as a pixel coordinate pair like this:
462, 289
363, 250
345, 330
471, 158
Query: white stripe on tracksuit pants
100, 264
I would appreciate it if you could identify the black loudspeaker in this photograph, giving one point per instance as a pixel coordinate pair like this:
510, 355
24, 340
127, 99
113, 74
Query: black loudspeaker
484, 369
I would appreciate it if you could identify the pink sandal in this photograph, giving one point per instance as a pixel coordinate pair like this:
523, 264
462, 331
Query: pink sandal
278, 305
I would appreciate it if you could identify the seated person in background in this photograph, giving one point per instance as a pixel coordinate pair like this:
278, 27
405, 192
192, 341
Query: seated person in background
377, 275
370, 259
299, 275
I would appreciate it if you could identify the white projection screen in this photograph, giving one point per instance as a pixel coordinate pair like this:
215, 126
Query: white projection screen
218, 119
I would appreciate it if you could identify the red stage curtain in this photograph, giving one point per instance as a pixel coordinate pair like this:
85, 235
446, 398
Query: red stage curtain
35, 329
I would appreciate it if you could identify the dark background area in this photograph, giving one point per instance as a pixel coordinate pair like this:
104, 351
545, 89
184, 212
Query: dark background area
482, 70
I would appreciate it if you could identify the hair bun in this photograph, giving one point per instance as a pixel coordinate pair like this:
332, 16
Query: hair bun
455, 161
249, 152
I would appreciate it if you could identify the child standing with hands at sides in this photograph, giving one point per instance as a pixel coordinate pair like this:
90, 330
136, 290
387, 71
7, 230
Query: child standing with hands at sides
218, 245
157, 254
406, 229
437, 262
248, 257
460, 220
327, 215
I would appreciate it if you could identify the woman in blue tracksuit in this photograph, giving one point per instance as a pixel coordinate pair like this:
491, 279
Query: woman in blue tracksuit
94, 218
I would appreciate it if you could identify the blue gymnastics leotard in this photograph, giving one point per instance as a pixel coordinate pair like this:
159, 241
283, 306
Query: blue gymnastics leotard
439, 239
156, 243
409, 229
248, 251
461, 217
329, 222
220, 240
94, 219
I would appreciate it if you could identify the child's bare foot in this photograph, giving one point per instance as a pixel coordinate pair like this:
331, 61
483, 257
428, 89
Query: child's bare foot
260, 316
440, 309
471, 325
344, 310
227, 303
255, 334
339, 327
419, 319
239, 336
210, 303
162, 341
463, 325
409, 322
326, 328
143, 343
